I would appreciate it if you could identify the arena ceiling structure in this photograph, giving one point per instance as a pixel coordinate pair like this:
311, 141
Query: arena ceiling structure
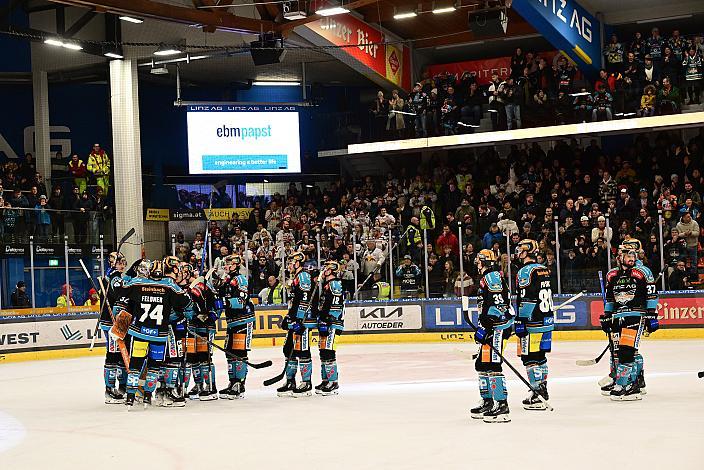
217, 34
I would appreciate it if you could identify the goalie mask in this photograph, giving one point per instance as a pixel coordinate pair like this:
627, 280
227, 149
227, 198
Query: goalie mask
171, 267
156, 270
144, 268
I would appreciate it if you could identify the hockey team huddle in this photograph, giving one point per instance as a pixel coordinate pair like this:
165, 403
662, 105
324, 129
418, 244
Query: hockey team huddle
160, 318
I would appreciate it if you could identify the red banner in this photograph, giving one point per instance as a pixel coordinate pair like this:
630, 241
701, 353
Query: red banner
366, 44
483, 69
671, 311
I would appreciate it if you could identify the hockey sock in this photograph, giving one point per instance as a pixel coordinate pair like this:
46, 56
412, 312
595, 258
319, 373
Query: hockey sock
306, 367
109, 376
197, 373
544, 373
291, 366
185, 375
240, 370
323, 373
330, 368
484, 386
535, 375
623, 374
231, 369
204, 372
122, 376
133, 381
150, 381
171, 379
212, 377
637, 367
497, 384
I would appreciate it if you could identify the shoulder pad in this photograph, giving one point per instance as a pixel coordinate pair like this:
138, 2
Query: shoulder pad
611, 274
304, 280
635, 273
336, 287
493, 281
524, 275
116, 282
647, 273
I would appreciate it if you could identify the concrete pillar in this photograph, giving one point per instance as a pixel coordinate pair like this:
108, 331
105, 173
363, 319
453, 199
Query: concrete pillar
42, 146
127, 155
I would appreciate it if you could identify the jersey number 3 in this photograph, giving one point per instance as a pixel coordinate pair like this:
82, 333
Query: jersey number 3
155, 312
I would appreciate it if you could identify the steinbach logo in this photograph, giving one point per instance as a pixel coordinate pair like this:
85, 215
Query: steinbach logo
71, 335
381, 312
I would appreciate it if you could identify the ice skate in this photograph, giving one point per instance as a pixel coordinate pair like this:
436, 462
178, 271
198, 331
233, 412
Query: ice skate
304, 389
628, 393
113, 396
329, 388
499, 414
287, 389
485, 406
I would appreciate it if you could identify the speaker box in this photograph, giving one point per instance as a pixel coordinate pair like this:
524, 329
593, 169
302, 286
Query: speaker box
488, 24
267, 52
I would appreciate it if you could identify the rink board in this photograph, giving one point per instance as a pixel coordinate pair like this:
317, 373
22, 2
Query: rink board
51, 335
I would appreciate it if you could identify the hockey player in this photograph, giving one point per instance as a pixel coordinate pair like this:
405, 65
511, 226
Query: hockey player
495, 320
176, 342
200, 353
297, 345
240, 322
535, 321
630, 307
143, 310
330, 324
114, 371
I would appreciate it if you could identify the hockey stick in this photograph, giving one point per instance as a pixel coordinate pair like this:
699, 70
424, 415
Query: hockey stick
120, 342
570, 300
468, 319
591, 362
253, 365
700, 374
102, 306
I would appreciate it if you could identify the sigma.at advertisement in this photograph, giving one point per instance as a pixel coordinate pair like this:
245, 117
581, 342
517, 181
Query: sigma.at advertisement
232, 139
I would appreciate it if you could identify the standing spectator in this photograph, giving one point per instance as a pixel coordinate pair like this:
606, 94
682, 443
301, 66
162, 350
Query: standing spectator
650, 72
654, 45
693, 69
447, 238
512, 104
601, 231
496, 103
26, 171
473, 104
637, 46
57, 205
273, 293
396, 123
433, 113
518, 63
678, 45
409, 275
669, 100
418, 104
83, 206
380, 113
79, 172
678, 278
93, 299
613, 53
689, 229
19, 297
607, 188
647, 102
671, 67
43, 220
99, 166
492, 236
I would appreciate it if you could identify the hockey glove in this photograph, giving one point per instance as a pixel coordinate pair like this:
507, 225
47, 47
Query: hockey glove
297, 327
651, 322
520, 329
323, 329
285, 322
219, 304
480, 335
606, 323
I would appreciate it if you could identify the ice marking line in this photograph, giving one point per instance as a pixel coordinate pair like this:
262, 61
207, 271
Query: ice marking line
11, 432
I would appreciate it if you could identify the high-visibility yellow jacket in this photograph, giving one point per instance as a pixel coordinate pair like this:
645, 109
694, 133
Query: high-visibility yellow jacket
99, 163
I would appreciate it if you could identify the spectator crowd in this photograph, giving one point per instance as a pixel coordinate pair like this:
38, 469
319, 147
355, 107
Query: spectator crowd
643, 76
576, 195
81, 201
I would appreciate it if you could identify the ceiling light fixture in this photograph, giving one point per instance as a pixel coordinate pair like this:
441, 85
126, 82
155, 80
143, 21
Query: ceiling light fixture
275, 83
164, 50
132, 19
73, 46
403, 16
441, 10
53, 42
331, 11
113, 55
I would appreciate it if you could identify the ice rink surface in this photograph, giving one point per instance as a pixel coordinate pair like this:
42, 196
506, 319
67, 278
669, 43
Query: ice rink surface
401, 406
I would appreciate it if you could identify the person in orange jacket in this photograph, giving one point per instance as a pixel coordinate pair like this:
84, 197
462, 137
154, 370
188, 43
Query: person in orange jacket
93, 298
79, 172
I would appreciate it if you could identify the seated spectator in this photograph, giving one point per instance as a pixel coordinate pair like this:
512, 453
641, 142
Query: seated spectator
273, 293
93, 299
678, 278
19, 297
66, 297
668, 100
583, 105
647, 102
602, 104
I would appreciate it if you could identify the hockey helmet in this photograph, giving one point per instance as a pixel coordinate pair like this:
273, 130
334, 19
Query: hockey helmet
233, 259
627, 255
156, 269
633, 244
171, 265
527, 247
187, 270
296, 256
486, 258
116, 257
332, 266
144, 268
